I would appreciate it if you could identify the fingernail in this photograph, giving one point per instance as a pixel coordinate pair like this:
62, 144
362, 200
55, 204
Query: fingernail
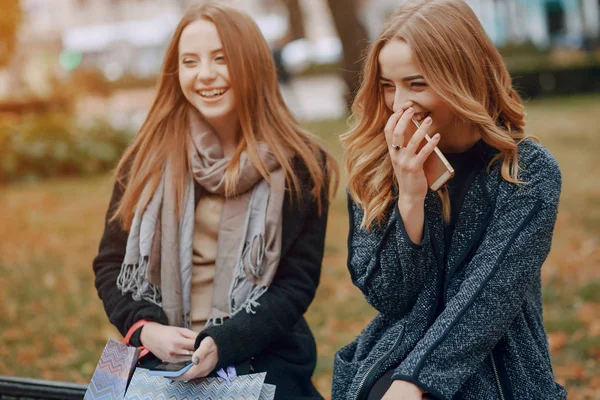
410, 110
436, 136
428, 120
196, 360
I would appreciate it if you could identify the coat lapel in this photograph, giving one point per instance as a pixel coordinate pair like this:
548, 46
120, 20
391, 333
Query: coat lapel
435, 224
471, 224
294, 214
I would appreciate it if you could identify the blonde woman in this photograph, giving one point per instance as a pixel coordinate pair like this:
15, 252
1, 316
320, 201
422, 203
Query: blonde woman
214, 236
455, 275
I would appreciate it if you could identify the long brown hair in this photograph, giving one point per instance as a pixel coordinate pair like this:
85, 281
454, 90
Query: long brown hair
462, 66
261, 110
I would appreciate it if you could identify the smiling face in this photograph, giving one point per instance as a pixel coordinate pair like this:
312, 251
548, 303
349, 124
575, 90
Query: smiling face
405, 86
203, 72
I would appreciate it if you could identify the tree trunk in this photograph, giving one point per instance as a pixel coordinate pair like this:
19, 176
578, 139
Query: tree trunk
586, 30
296, 20
355, 41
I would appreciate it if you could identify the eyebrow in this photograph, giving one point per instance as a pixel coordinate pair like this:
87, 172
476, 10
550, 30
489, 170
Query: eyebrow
407, 79
187, 53
413, 78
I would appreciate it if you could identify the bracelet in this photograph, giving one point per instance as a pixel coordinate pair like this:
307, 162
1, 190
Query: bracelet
130, 332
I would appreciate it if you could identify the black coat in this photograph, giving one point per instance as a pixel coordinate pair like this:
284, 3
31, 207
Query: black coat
466, 324
276, 338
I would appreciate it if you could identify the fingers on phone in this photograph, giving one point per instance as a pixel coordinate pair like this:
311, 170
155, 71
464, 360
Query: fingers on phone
428, 148
184, 347
187, 352
419, 136
401, 126
189, 374
197, 371
390, 125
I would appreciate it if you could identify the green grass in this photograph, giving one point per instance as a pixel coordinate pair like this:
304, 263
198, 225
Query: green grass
590, 292
54, 323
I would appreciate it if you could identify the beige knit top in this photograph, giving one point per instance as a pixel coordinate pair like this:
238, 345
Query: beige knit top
206, 230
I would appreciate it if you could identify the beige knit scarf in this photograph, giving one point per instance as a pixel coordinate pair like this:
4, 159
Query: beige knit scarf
158, 260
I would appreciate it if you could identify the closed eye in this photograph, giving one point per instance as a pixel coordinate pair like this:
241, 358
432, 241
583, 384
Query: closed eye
418, 84
220, 58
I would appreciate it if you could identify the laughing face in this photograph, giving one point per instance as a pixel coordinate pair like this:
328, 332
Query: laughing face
203, 72
405, 86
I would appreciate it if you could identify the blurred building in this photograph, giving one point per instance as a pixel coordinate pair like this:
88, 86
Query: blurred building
126, 37
545, 23
115, 36
122, 40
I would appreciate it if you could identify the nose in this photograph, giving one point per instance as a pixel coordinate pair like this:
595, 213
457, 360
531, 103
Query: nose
401, 100
206, 73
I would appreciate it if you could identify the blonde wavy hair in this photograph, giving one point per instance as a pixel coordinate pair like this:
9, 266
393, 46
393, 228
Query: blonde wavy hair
463, 67
260, 106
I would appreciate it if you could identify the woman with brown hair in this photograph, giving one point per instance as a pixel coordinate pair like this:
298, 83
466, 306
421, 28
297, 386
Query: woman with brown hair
215, 231
455, 275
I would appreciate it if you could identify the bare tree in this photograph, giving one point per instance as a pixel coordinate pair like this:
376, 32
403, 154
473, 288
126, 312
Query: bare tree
352, 33
587, 34
296, 19
355, 41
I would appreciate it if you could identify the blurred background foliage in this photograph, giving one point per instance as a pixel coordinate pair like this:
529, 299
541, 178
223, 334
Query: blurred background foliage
54, 145
71, 100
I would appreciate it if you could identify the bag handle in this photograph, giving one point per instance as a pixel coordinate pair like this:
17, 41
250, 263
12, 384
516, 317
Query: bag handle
135, 327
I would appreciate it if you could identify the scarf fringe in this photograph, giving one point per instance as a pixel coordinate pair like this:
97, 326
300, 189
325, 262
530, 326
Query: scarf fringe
251, 303
248, 271
253, 256
132, 279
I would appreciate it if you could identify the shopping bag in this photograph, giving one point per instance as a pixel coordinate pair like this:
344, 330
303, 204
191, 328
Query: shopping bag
112, 374
242, 387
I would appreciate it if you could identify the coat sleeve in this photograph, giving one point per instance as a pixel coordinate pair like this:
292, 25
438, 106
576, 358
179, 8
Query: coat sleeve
281, 307
385, 264
497, 280
121, 309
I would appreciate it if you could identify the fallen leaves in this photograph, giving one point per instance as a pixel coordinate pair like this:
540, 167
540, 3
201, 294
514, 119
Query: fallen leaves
53, 322
557, 340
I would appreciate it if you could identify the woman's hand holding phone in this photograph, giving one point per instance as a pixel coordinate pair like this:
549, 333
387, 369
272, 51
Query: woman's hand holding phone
408, 168
205, 360
168, 343
408, 161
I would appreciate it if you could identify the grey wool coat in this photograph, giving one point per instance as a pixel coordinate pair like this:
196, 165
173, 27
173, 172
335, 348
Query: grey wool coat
467, 324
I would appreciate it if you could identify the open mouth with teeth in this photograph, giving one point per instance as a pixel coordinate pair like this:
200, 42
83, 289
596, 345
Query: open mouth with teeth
212, 93
421, 117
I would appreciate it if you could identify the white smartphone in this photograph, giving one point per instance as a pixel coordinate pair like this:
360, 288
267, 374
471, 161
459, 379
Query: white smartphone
438, 170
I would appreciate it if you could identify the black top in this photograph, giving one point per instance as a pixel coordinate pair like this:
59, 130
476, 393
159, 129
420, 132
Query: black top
467, 166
